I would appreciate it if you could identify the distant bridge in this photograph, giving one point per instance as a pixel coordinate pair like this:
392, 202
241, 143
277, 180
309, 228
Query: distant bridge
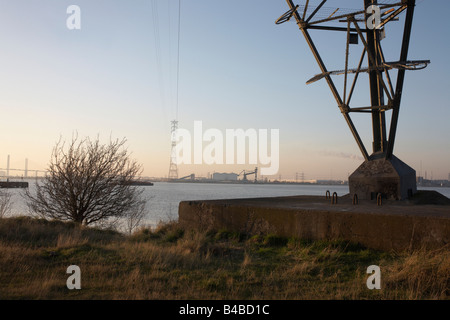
5, 173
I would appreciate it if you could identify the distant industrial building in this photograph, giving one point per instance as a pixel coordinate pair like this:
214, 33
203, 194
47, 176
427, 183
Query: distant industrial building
217, 176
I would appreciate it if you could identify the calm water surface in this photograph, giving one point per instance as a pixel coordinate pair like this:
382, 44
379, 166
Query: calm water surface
165, 197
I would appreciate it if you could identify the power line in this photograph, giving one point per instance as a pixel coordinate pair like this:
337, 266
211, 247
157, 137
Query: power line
170, 52
157, 42
178, 56
173, 98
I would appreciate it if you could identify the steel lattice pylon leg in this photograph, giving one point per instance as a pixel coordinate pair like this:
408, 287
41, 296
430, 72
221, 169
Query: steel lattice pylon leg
381, 173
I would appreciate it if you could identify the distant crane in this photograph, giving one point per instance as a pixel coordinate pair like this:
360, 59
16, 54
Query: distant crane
245, 174
191, 177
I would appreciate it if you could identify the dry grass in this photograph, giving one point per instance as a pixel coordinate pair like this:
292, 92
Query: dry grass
171, 263
421, 274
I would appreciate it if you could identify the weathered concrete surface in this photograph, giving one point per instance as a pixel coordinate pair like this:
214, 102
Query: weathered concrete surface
393, 178
393, 226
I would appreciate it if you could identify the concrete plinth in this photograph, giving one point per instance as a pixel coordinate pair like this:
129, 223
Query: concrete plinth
396, 225
392, 178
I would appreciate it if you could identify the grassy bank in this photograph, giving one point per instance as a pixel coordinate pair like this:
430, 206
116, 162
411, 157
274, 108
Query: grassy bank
171, 263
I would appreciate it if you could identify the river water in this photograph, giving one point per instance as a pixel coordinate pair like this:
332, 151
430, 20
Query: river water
165, 197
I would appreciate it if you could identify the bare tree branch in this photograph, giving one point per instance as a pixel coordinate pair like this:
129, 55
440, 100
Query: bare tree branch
88, 182
5, 203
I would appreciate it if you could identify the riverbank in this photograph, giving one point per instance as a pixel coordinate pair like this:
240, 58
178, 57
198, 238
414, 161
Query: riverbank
171, 263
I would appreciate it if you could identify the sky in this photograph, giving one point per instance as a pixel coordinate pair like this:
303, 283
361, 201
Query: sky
123, 75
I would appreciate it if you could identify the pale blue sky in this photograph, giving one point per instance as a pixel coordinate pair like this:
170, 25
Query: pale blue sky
237, 70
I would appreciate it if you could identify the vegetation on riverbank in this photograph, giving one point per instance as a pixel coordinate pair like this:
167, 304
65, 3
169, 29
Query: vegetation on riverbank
171, 263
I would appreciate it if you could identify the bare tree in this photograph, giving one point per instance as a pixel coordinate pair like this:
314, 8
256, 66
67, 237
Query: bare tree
88, 182
135, 216
5, 203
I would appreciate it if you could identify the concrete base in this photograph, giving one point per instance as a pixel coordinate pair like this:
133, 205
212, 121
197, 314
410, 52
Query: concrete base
392, 178
393, 226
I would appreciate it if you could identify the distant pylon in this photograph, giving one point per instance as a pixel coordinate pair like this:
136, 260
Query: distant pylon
26, 168
7, 166
173, 168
